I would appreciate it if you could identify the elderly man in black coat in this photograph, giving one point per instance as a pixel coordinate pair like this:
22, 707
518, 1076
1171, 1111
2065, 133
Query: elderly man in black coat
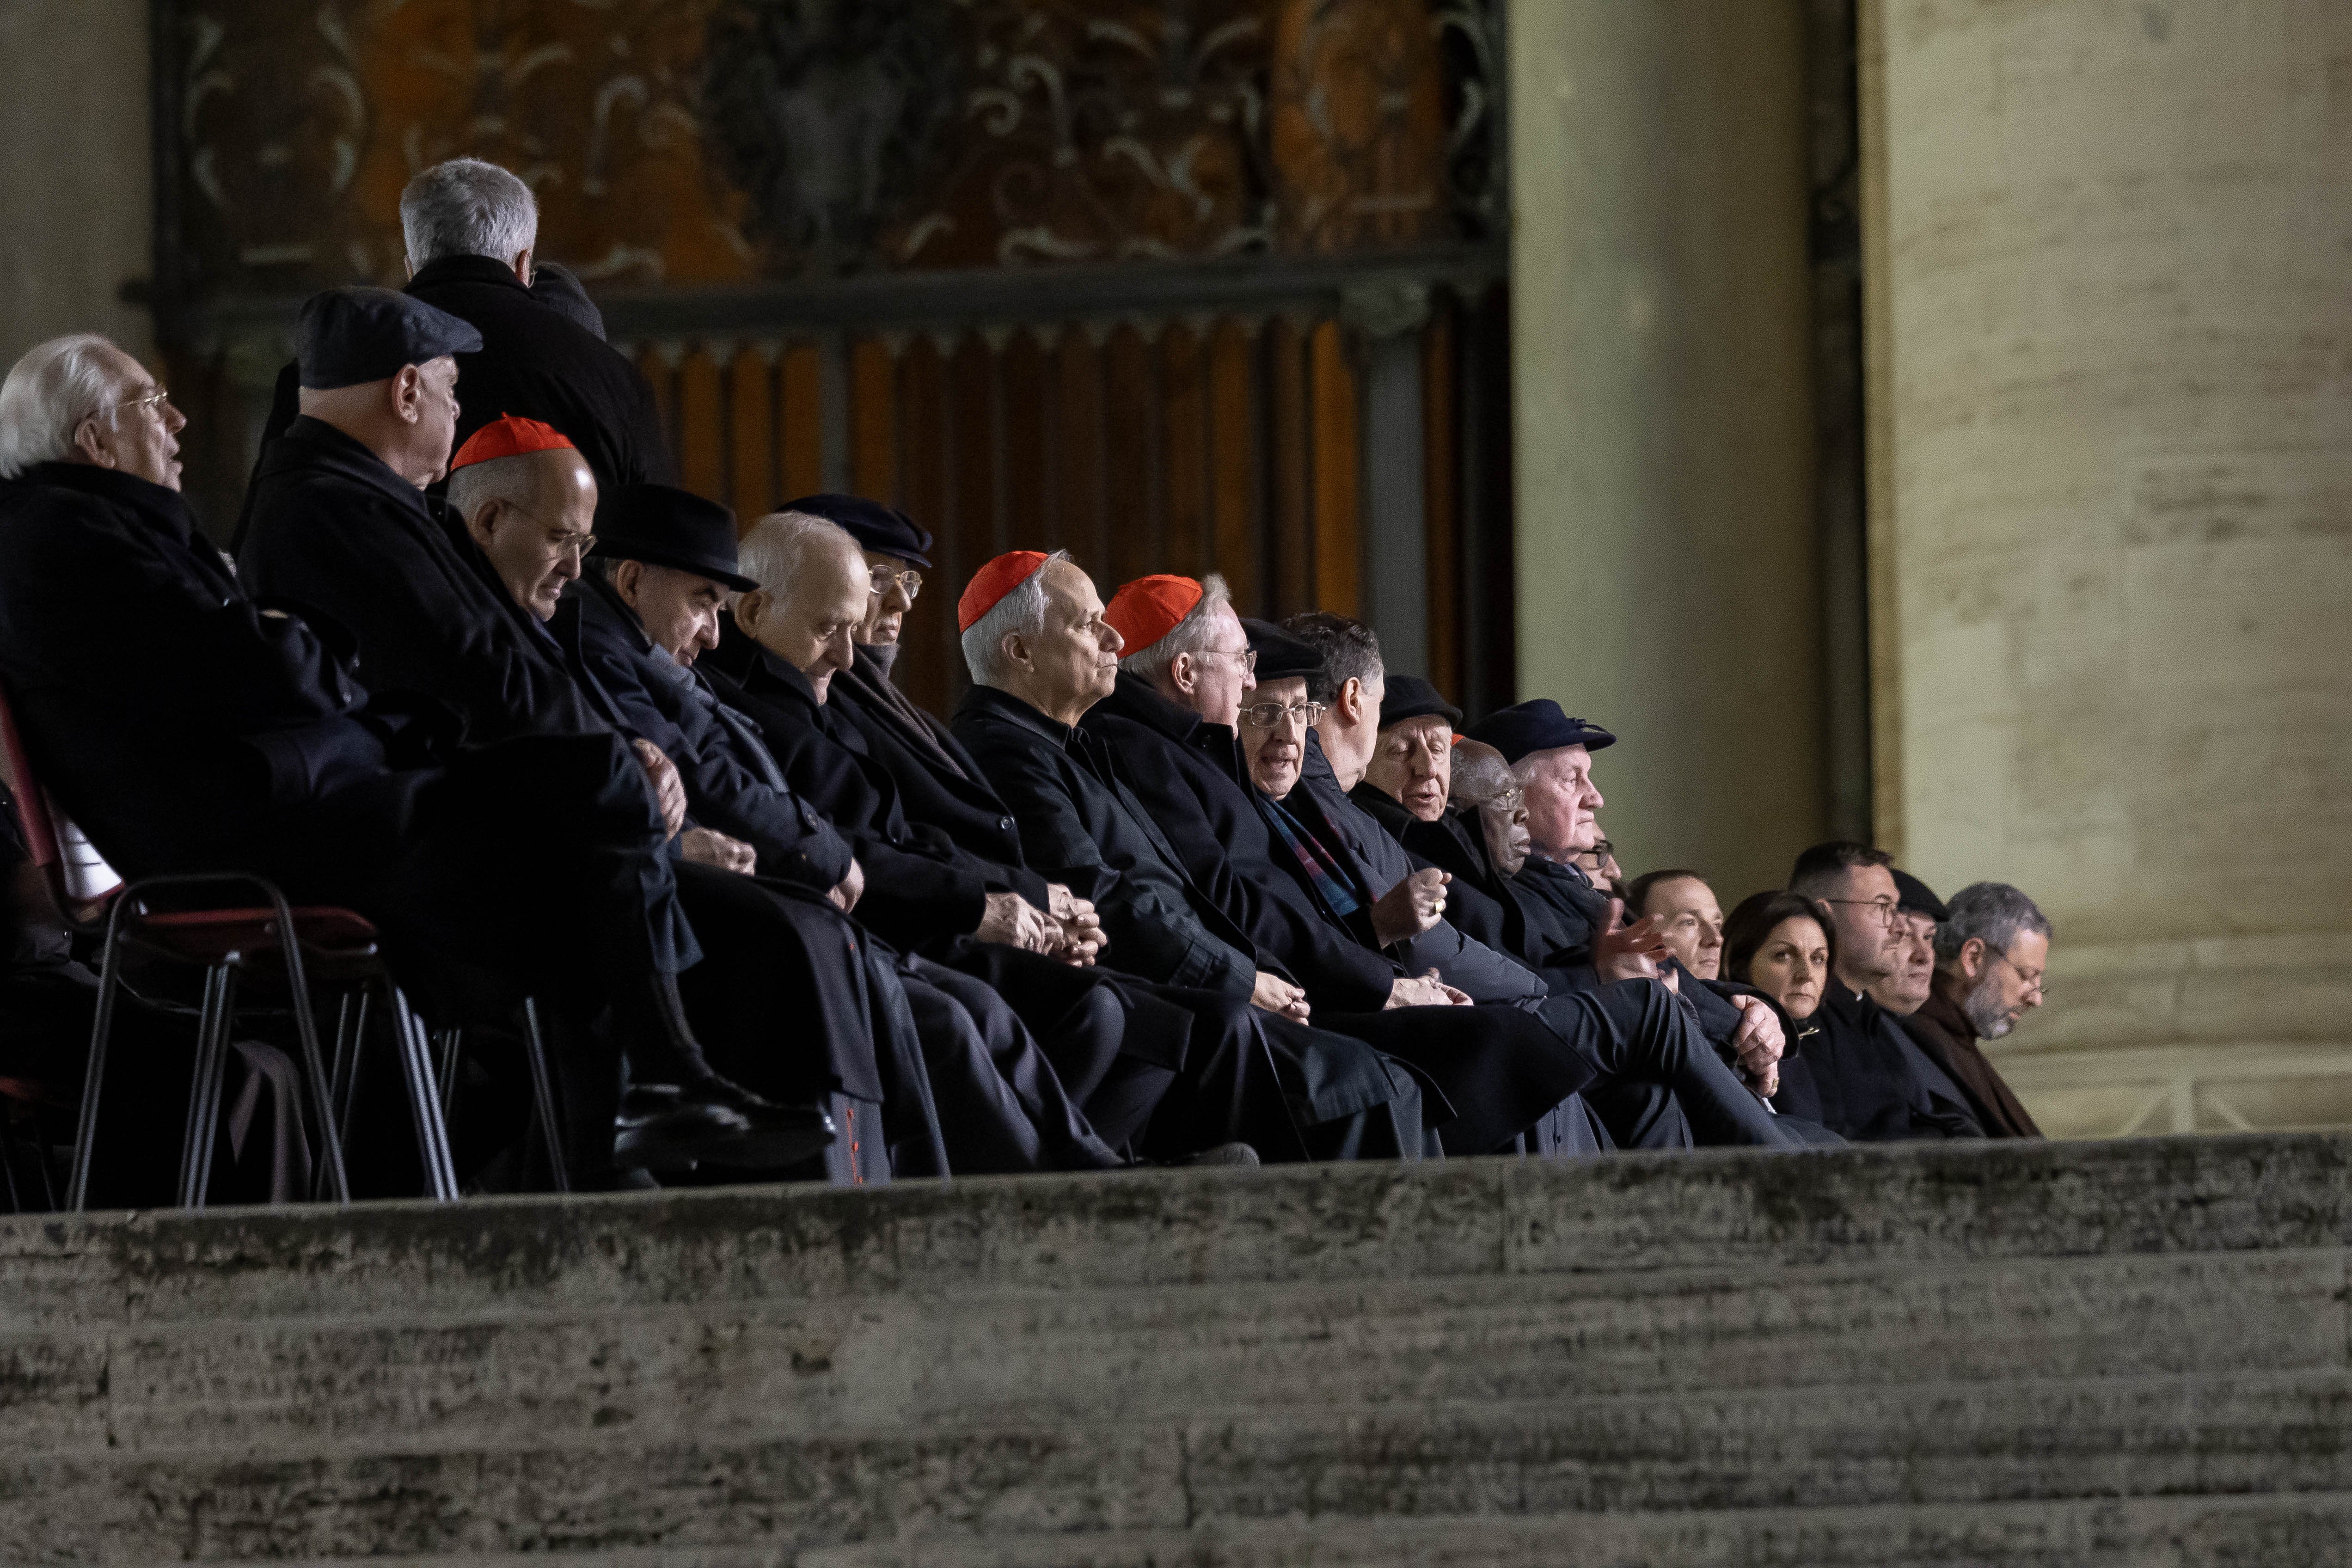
643, 618
1041, 655
211, 735
471, 229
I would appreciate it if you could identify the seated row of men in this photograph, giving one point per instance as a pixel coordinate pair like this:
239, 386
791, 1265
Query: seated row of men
1169, 886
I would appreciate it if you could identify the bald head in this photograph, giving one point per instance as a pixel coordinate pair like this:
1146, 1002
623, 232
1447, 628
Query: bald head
815, 590
531, 515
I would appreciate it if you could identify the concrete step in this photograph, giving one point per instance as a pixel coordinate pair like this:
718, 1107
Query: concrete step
808, 1369
2131, 1352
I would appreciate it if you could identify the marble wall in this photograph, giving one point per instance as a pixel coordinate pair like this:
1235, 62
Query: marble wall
75, 209
2110, 312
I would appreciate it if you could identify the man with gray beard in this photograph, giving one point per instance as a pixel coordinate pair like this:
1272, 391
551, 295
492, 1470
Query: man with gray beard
1992, 951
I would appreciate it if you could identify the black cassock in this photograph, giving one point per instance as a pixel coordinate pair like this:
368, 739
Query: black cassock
1001, 1106
337, 536
534, 362
201, 735
1502, 1070
1082, 824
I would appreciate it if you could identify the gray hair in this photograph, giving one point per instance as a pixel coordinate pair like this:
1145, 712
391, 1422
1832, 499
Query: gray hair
1022, 610
55, 386
1190, 635
467, 207
513, 479
1993, 912
776, 550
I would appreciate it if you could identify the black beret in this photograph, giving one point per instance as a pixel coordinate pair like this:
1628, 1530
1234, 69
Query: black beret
874, 526
1917, 897
1411, 696
671, 527
1280, 655
349, 337
1536, 726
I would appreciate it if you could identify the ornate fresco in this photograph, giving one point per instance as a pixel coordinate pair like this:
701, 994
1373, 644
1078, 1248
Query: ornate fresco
686, 142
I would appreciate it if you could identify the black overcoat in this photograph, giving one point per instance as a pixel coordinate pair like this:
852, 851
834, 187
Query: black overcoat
732, 784
1863, 1071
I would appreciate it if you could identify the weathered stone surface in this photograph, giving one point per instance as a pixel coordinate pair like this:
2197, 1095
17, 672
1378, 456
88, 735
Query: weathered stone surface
2117, 1353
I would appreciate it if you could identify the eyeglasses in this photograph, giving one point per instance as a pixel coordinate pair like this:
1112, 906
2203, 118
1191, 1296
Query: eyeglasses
2033, 982
1601, 849
154, 400
573, 545
1248, 656
1266, 715
1506, 800
908, 582
1890, 913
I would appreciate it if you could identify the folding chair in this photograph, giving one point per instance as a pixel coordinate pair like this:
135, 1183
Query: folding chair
337, 944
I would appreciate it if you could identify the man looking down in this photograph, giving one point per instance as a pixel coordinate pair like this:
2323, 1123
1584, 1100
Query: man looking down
1992, 950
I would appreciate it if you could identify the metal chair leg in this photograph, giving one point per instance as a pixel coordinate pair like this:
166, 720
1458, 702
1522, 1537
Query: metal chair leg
452, 1041
542, 1093
109, 981
204, 1101
423, 1103
313, 1066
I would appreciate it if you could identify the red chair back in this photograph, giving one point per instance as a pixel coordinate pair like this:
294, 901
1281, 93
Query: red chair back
78, 875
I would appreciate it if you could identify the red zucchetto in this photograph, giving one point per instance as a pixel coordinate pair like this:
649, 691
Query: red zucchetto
507, 436
992, 581
1149, 609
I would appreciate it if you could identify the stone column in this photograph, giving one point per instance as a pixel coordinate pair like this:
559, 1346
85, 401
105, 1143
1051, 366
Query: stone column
74, 181
1666, 557
2111, 274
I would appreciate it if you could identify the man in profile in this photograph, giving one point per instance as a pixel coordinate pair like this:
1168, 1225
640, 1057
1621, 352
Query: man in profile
1991, 951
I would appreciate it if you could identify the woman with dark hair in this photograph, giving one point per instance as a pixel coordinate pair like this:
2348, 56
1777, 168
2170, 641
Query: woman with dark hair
1780, 943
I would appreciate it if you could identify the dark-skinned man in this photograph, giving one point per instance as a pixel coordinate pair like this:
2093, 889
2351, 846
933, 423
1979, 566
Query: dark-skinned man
1659, 1082
221, 735
1041, 655
647, 611
1381, 969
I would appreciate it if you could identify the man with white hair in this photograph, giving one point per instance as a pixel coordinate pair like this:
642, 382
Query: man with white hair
1041, 655
1992, 949
471, 229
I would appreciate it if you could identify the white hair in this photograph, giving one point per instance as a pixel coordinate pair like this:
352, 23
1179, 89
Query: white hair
1190, 635
467, 207
55, 386
775, 553
1022, 610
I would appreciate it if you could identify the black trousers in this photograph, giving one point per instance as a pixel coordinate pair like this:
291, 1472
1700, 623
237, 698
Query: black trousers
1635, 1034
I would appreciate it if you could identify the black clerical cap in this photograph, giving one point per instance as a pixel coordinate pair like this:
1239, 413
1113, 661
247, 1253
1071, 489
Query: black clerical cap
1280, 655
348, 337
1536, 726
670, 527
1411, 696
1915, 896
874, 526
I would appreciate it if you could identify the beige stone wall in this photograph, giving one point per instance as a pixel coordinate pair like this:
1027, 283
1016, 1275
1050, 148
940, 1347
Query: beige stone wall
2113, 536
74, 200
1667, 572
